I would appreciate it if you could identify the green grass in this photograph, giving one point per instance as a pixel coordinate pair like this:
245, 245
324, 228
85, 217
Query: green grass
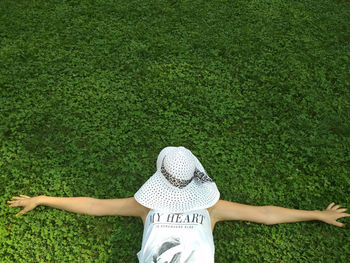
91, 91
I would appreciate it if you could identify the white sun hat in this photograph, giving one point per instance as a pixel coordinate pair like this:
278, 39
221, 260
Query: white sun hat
179, 185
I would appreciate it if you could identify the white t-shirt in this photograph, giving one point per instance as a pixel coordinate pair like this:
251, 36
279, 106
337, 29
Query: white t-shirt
177, 238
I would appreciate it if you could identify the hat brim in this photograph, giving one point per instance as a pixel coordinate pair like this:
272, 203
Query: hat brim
157, 193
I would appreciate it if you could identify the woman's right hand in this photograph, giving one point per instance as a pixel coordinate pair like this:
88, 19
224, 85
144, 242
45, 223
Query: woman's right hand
28, 203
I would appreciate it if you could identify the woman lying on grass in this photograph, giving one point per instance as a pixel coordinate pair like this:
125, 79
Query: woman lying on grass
179, 206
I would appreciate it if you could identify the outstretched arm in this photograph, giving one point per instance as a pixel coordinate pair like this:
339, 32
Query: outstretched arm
82, 205
269, 215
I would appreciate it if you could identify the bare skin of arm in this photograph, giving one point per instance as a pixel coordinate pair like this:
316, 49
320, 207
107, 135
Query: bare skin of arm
270, 215
221, 211
83, 205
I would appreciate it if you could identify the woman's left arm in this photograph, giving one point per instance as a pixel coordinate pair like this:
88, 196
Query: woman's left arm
270, 215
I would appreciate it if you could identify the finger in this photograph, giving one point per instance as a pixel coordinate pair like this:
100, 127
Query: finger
342, 210
335, 207
345, 215
16, 198
338, 224
330, 206
22, 212
25, 196
13, 203
16, 203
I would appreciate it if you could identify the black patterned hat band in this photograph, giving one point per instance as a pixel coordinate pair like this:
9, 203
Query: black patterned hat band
181, 183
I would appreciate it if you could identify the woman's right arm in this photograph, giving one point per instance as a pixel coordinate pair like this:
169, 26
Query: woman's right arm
83, 205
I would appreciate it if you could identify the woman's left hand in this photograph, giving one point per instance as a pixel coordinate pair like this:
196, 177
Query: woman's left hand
332, 214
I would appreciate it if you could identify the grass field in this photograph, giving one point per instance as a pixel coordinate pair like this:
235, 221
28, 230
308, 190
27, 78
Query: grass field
91, 91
